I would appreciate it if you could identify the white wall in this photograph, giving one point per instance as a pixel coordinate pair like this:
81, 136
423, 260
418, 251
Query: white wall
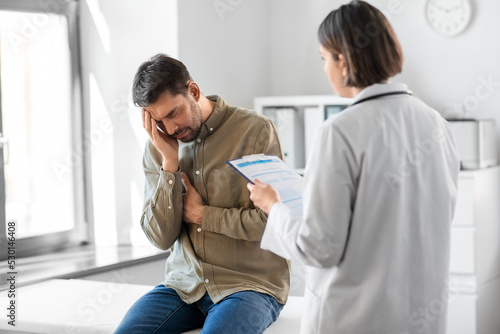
442, 71
116, 37
225, 46
447, 71
296, 66
241, 49
261, 47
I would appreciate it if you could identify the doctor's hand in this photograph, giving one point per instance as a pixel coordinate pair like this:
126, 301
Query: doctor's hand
192, 203
263, 195
167, 145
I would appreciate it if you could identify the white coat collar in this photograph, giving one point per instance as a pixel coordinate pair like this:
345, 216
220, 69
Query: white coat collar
380, 88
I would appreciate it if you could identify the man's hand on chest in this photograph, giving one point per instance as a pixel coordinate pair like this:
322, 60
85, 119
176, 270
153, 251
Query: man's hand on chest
192, 203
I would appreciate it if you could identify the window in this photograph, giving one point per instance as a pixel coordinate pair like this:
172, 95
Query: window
42, 153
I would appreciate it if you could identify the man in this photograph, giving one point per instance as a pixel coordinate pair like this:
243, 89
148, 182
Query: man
217, 276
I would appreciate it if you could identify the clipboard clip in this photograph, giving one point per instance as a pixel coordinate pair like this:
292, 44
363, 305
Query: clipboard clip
254, 157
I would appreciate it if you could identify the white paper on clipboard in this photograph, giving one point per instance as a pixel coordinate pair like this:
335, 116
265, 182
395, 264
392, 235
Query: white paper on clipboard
274, 171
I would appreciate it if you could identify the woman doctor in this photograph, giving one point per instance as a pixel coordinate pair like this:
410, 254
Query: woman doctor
379, 193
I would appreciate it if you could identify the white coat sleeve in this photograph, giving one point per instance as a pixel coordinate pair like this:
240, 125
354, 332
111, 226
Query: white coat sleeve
281, 231
318, 238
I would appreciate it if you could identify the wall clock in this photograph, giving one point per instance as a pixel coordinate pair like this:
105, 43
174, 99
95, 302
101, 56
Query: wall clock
448, 17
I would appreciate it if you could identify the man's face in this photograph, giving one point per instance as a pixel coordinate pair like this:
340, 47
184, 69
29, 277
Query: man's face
179, 116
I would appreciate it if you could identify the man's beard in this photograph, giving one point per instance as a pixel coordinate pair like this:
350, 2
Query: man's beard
193, 131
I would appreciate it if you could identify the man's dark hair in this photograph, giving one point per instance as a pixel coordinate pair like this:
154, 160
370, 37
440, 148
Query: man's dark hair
365, 37
159, 74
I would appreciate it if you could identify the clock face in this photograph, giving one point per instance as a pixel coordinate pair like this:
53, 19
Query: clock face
448, 17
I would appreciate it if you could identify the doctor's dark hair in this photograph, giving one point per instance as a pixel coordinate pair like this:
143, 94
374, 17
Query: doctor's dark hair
365, 37
159, 74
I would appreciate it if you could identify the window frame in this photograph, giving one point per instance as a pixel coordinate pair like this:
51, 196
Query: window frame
81, 233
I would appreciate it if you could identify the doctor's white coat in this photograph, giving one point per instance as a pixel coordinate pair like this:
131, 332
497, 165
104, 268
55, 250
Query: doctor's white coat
379, 197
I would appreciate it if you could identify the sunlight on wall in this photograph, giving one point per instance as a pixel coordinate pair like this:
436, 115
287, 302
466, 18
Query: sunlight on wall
101, 24
103, 168
115, 40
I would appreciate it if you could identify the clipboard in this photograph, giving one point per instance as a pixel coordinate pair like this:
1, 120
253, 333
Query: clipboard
274, 171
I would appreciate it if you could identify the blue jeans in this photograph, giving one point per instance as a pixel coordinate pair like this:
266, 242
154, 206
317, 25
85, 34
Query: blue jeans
162, 311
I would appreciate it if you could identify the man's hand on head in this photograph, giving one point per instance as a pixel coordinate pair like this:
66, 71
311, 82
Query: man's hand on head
192, 202
167, 145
